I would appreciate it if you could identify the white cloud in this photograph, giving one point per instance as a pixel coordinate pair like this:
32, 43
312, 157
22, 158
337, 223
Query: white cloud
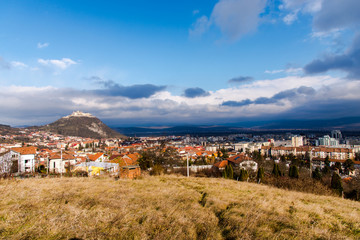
309, 6
201, 25
195, 12
42, 45
234, 18
291, 17
290, 71
299, 6
18, 64
58, 63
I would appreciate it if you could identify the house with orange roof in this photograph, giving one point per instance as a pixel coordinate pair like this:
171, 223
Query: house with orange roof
128, 165
25, 157
241, 161
221, 165
61, 162
97, 157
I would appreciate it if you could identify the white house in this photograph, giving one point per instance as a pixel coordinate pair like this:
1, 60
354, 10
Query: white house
25, 157
59, 163
5, 162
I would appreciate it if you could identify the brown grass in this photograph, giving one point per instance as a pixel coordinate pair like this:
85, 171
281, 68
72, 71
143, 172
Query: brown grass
169, 207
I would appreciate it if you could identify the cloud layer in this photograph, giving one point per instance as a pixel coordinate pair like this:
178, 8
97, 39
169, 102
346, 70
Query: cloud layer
133, 92
292, 96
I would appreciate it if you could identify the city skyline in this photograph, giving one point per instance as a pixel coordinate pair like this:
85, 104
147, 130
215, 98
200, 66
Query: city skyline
160, 62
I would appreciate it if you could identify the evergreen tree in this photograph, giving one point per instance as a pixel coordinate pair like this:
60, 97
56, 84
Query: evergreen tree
348, 166
327, 161
338, 166
317, 174
244, 175
276, 171
230, 172
294, 171
260, 174
336, 183
225, 173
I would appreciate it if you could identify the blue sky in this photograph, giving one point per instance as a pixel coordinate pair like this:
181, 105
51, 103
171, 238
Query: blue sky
165, 62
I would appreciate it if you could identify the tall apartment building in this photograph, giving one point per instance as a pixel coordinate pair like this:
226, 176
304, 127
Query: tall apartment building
297, 141
328, 141
336, 134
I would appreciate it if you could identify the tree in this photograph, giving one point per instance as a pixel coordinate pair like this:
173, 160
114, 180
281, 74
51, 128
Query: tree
348, 166
229, 172
327, 161
293, 171
317, 174
146, 159
326, 168
224, 153
357, 156
244, 175
336, 183
338, 166
294, 160
276, 171
260, 174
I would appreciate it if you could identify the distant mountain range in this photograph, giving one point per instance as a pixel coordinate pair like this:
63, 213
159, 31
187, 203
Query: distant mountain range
347, 124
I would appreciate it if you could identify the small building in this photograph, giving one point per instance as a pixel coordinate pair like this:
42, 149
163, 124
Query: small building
97, 168
6, 163
128, 166
61, 163
25, 157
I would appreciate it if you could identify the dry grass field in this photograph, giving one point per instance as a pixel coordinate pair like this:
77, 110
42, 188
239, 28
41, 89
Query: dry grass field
169, 207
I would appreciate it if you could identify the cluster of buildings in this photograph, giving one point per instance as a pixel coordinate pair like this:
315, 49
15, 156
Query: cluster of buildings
52, 153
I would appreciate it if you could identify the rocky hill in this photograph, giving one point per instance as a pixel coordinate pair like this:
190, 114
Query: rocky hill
82, 125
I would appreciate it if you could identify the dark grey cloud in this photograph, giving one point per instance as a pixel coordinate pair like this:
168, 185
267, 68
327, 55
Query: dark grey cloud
348, 62
287, 94
195, 92
237, 104
4, 64
111, 88
337, 14
241, 79
327, 108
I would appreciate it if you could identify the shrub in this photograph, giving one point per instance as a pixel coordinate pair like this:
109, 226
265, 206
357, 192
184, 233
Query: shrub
316, 174
157, 170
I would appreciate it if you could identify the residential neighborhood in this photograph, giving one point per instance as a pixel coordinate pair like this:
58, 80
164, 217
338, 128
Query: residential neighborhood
49, 153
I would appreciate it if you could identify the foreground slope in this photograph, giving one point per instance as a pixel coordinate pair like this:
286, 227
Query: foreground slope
169, 207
